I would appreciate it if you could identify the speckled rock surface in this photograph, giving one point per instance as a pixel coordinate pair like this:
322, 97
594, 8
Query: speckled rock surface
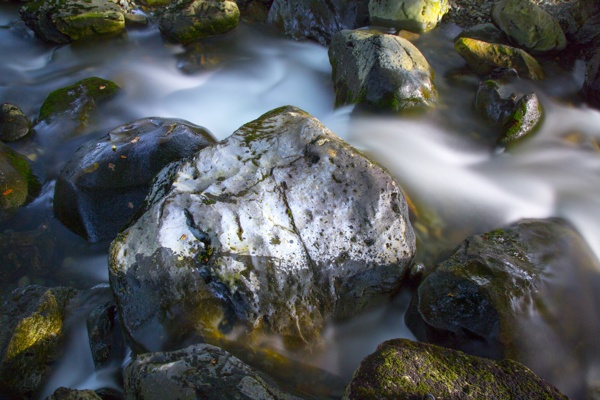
277, 229
412, 15
14, 125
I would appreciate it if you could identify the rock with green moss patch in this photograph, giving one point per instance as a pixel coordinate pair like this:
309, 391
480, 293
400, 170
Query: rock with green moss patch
75, 104
487, 32
411, 15
103, 184
528, 26
317, 20
200, 371
14, 124
64, 21
32, 321
380, 70
277, 230
18, 185
402, 369
484, 57
185, 21
523, 120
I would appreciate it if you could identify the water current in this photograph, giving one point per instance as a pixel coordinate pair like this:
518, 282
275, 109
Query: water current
445, 159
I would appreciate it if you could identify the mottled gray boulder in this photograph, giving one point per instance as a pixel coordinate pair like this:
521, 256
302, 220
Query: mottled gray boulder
64, 21
14, 124
487, 32
105, 336
483, 58
75, 104
103, 184
528, 26
277, 229
412, 15
32, 320
185, 21
198, 372
17, 182
402, 369
318, 20
385, 71
63, 393
591, 85
518, 116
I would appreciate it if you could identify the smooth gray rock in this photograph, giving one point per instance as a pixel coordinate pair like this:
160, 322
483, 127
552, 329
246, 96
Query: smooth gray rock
318, 20
103, 184
202, 372
277, 229
528, 26
411, 15
385, 71
14, 125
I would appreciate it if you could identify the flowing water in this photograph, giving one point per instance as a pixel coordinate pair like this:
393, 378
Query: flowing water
445, 159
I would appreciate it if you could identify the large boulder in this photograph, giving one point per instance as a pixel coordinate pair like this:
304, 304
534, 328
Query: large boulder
64, 21
528, 26
402, 369
509, 293
483, 58
185, 21
14, 124
376, 69
32, 320
276, 230
17, 182
410, 15
103, 184
591, 85
317, 20
199, 371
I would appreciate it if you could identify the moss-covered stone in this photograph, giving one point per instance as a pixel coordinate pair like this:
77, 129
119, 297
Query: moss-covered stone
18, 185
402, 369
32, 320
484, 57
77, 102
14, 125
523, 120
412, 15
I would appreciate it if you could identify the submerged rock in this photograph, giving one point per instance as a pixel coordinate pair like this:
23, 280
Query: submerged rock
385, 71
14, 125
77, 102
103, 184
402, 369
276, 230
528, 26
64, 21
412, 15
32, 321
317, 20
591, 85
19, 185
104, 333
485, 57
200, 371
185, 21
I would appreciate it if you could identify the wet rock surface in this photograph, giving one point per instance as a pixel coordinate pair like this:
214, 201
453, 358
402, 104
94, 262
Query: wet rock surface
591, 85
14, 124
19, 185
277, 229
402, 369
101, 187
32, 320
412, 15
380, 70
63, 393
106, 339
199, 371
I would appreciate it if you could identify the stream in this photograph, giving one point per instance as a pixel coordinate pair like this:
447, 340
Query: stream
445, 160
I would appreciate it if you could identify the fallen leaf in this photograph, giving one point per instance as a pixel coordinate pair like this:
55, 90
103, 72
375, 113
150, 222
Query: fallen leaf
114, 148
111, 166
102, 87
7, 192
135, 139
183, 237
130, 204
123, 156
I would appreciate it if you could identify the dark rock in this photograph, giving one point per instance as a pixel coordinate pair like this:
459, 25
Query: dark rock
318, 20
412, 15
591, 85
101, 187
402, 369
32, 321
14, 125
486, 33
385, 71
19, 185
63, 393
197, 372
276, 230
105, 336
185, 21
64, 21
77, 102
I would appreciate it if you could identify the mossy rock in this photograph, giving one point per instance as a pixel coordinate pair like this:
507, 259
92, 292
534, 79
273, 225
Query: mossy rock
18, 185
32, 320
523, 120
484, 57
14, 124
412, 15
64, 21
77, 102
403, 369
